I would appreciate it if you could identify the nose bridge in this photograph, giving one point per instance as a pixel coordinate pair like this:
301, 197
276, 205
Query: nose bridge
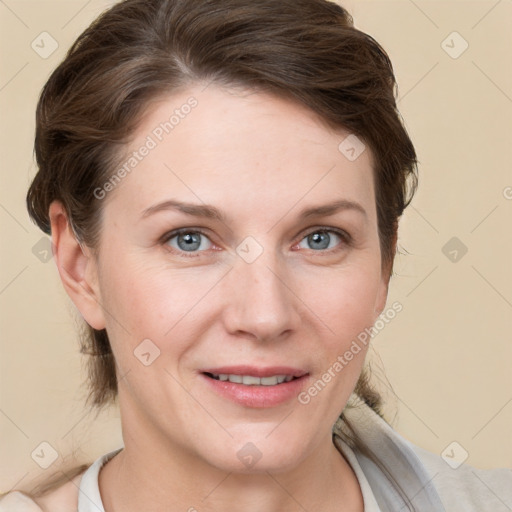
262, 303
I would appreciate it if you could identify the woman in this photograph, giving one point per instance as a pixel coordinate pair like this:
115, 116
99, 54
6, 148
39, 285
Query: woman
222, 181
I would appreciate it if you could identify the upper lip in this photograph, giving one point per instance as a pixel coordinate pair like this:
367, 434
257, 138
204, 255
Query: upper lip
255, 371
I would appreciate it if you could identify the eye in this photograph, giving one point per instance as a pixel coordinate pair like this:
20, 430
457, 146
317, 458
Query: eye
322, 238
186, 240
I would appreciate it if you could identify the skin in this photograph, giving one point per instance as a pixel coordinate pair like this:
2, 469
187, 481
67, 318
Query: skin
261, 160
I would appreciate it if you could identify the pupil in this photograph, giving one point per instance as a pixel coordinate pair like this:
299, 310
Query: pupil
189, 240
317, 237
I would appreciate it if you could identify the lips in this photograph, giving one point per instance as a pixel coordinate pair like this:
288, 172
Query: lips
255, 386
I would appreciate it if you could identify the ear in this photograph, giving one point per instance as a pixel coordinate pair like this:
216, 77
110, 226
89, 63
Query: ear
77, 268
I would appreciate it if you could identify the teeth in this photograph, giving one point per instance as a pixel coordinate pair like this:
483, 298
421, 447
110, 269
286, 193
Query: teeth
250, 380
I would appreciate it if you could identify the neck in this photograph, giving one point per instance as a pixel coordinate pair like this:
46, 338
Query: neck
135, 480
150, 473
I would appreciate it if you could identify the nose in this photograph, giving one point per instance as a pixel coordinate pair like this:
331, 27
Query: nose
261, 302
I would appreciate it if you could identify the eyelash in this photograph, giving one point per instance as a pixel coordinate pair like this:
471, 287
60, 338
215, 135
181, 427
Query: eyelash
345, 237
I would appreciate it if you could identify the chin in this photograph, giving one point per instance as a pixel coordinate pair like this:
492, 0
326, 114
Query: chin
257, 453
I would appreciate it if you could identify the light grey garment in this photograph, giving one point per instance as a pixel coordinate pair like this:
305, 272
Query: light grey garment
400, 463
429, 482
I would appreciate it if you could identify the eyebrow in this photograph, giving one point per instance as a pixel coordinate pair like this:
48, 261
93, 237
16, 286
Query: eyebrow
211, 212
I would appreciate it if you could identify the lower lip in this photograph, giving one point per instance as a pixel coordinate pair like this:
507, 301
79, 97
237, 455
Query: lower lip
256, 396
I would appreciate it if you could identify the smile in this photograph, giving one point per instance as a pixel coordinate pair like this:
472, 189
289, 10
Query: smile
251, 380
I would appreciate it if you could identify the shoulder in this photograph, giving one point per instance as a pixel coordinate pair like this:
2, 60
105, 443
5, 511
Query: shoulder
459, 486
61, 499
464, 487
16, 501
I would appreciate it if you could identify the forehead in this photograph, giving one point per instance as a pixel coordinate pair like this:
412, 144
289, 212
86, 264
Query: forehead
242, 150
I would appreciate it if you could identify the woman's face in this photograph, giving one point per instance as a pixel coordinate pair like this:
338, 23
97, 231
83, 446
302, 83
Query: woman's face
263, 290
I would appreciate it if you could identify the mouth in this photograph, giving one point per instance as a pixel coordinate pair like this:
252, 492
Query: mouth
251, 380
255, 387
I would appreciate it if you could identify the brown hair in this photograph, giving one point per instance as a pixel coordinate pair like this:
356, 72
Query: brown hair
138, 50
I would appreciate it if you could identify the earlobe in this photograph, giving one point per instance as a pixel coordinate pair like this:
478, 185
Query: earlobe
77, 268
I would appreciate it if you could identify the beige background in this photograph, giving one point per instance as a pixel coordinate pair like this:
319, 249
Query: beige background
443, 364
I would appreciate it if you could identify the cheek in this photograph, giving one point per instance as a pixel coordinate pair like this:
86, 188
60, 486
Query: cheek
344, 301
158, 303
344, 311
132, 299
